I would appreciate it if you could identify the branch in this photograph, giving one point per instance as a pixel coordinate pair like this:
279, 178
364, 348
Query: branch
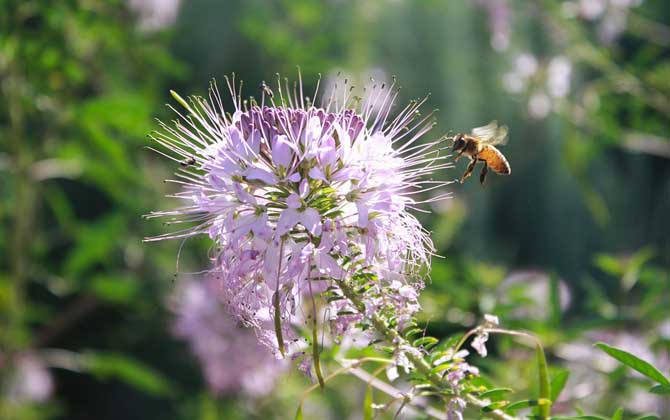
393, 336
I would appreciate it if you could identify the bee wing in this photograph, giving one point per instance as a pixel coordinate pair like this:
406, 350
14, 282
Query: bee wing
486, 132
491, 133
500, 138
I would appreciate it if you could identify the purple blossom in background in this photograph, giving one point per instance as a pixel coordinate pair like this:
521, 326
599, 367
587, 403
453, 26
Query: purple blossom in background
546, 83
232, 359
611, 16
299, 198
30, 380
499, 16
155, 14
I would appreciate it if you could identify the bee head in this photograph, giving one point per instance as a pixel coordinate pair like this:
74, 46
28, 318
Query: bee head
459, 142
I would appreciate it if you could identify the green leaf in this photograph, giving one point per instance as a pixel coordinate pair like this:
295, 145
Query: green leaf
413, 331
558, 383
368, 411
554, 300
114, 289
543, 377
494, 406
635, 363
495, 394
660, 389
128, 370
298, 413
579, 418
618, 414
441, 368
425, 342
528, 403
648, 417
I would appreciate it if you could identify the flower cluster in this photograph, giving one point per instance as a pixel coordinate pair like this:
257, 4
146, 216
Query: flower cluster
30, 380
232, 359
300, 200
610, 15
545, 83
499, 20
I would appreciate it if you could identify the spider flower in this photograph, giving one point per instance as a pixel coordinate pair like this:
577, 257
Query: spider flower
299, 198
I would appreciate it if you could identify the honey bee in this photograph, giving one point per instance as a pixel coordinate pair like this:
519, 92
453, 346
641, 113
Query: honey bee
479, 146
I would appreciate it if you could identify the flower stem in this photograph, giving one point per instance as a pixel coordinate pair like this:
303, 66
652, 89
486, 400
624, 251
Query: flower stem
393, 336
277, 307
315, 339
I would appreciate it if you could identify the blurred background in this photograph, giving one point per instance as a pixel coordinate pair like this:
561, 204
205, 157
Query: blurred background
574, 246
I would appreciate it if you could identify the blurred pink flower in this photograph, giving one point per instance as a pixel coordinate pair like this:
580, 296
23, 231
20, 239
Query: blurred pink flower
232, 360
31, 380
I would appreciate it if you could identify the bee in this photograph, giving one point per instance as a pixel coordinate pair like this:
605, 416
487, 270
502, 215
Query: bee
266, 89
479, 146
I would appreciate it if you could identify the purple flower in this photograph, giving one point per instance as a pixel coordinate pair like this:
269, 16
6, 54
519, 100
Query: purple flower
232, 359
499, 16
298, 198
455, 408
479, 342
30, 380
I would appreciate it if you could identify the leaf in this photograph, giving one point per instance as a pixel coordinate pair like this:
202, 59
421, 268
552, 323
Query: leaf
635, 363
648, 417
117, 289
368, 411
413, 331
494, 394
128, 370
96, 242
425, 342
660, 389
440, 368
618, 414
298, 413
494, 406
543, 377
579, 418
554, 300
558, 383
528, 403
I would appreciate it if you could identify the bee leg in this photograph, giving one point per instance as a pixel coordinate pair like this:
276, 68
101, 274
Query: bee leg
482, 176
469, 170
459, 155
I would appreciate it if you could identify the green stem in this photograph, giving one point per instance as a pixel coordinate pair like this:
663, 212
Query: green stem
276, 304
315, 339
24, 197
393, 336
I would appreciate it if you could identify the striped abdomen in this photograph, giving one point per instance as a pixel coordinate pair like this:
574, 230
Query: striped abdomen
495, 160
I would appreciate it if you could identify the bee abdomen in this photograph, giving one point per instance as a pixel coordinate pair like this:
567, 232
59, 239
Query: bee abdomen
495, 160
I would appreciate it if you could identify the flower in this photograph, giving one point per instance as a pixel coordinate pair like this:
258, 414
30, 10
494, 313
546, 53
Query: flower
499, 22
479, 342
300, 200
455, 408
30, 380
232, 359
155, 14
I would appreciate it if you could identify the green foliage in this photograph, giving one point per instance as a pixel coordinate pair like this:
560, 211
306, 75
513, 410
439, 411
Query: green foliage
635, 363
544, 406
368, 410
121, 367
573, 246
558, 383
